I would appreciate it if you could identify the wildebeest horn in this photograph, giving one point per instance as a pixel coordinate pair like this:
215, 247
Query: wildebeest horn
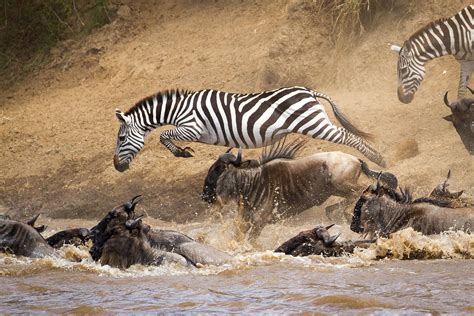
238, 160
229, 150
32, 221
228, 157
130, 206
446, 100
133, 223
445, 183
327, 227
331, 240
471, 90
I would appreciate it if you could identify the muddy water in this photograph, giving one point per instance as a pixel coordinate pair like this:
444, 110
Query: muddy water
257, 281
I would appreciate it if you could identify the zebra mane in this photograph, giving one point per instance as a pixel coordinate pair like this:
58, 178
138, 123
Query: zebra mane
168, 93
428, 26
281, 151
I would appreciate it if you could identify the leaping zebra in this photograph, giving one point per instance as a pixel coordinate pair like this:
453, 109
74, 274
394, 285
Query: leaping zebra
236, 120
446, 36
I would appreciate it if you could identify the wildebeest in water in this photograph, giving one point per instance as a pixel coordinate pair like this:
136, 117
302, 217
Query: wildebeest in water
382, 211
318, 241
25, 239
280, 186
121, 239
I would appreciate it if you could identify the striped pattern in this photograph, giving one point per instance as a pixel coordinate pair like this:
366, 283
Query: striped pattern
235, 120
451, 36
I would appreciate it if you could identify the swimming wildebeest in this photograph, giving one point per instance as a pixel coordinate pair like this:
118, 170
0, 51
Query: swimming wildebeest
381, 210
281, 186
74, 236
318, 241
236, 120
463, 119
446, 36
121, 239
23, 239
453, 199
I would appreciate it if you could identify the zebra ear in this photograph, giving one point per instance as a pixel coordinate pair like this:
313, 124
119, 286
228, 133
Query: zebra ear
121, 116
395, 48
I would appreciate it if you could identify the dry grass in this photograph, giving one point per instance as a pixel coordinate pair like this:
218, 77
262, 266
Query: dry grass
351, 18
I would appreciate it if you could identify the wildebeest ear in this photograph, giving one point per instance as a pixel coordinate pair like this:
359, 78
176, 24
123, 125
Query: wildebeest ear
122, 117
448, 118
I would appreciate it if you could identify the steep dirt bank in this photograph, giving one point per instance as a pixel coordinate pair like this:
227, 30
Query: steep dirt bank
58, 129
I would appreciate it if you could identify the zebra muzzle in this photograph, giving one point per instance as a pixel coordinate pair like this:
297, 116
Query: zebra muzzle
405, 98
121, 167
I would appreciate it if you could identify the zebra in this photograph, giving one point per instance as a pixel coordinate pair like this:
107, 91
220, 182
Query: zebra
446, 36
235, 120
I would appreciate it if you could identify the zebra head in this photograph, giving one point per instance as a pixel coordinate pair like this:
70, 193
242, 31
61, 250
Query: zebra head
130, 140
411, 71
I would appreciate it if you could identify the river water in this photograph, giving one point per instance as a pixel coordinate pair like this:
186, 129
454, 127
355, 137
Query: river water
371, 281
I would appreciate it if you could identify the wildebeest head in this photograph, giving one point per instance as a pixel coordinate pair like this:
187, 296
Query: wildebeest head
462, 118
441, 191
222, 163
125, 244
367, 208
118, 216
316, 241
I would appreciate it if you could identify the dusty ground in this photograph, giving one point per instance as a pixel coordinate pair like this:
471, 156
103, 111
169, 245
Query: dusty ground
58, 127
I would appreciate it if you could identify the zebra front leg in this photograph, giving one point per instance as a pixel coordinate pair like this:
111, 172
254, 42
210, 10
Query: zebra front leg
467, 67
180, 134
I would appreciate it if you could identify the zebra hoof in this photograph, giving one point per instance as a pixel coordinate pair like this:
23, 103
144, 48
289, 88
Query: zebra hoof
185, 152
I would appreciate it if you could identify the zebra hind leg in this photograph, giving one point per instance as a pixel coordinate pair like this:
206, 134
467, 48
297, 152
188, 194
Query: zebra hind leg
361, 145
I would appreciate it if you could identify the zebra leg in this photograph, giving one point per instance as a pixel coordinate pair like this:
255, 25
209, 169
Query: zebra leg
467, 67
182, 133
342, 136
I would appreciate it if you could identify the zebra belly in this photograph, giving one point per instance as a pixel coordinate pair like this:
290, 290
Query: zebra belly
213, 139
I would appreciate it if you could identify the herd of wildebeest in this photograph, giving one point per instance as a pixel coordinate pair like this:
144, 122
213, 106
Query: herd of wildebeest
266, 191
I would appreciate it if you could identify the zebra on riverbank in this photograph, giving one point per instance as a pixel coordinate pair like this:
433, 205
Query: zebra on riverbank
236, 120
446, 36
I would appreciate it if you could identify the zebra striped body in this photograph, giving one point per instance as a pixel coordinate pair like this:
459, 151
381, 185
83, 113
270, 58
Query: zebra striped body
235, 120
451, 36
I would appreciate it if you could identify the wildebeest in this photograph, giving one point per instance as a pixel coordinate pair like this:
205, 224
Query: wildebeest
127, 244
281, 186
381, 210
453, 199
23, 240
121, 239
74, 236
462, 117
317, 241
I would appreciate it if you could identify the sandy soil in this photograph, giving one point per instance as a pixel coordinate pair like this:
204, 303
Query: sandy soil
58, 127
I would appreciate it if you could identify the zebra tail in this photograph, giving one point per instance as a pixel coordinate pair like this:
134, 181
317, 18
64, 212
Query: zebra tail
386, 177
342, 119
